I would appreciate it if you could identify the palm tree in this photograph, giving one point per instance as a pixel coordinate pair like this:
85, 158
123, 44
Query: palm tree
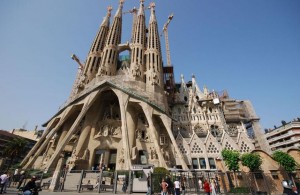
14, 148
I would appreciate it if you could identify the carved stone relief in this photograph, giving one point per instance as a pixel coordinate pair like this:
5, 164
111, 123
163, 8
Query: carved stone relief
143, 135
108, 130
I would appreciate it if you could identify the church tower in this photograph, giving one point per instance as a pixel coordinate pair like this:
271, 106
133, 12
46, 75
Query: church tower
108, 65
137, 65
94, 56
154, 74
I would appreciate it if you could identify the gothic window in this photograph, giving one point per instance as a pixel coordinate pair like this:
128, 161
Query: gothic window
163, 139
215, 131
185, 98
232, 130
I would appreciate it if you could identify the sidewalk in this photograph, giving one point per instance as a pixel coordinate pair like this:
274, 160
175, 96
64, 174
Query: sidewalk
14, 191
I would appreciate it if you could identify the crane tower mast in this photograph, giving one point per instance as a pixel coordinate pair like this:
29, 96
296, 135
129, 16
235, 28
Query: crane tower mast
165, 30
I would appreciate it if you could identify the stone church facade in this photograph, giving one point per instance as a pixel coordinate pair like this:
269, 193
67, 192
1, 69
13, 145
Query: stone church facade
128, 111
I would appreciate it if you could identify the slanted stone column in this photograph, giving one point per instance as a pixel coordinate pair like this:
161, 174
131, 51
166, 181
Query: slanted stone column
44, 142
148, 110
123, 102
90, 99
167, 123
83, 138
56, 175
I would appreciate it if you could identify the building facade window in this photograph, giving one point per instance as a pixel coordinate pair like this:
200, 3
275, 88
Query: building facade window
212, 163
202, 163
195, 163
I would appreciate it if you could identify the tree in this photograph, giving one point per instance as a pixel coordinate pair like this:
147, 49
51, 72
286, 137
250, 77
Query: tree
251, 160
14, 148
231, 158
285, 160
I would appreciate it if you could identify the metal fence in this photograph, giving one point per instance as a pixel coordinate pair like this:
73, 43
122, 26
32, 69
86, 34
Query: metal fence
125, 181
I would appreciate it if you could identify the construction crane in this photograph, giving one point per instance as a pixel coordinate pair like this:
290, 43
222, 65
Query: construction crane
168, 69
78, 76
165, 31
132, 11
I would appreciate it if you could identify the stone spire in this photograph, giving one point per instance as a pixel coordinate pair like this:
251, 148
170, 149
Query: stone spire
109, 58
138, 46
183, 90
154, 73
94, 56
196, 90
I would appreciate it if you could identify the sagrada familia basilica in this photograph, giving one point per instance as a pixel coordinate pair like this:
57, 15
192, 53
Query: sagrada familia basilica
127, 111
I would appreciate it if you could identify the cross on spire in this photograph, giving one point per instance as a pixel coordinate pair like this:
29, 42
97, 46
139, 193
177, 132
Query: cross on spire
121, 2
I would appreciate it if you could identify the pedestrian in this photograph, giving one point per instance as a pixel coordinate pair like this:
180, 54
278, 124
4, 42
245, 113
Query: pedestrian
200, 184
7, 183
149, 184
183, 187
217, 184
177, 186
164, 187
213, 187
125, 184
170, 185
206, 187
30, 188
3, 179
21, 179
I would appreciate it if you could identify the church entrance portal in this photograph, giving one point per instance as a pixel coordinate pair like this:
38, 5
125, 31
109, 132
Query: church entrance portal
105, 158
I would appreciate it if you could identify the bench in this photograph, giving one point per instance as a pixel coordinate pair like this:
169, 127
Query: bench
104, 187
86, 186
46, 185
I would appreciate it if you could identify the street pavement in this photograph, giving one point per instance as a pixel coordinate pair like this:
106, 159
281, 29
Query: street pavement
14, 191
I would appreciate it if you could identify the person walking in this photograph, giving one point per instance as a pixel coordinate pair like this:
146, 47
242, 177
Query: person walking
182, 187
7, 183
149, 184
164, 187
21, 179
213, 188
3, 179
206, 187
200, 184
177, 186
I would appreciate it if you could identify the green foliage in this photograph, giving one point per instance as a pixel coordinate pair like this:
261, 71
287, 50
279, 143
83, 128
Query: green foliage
251, 160
160, 170
14, 148
158, 174
285, 160
231, 158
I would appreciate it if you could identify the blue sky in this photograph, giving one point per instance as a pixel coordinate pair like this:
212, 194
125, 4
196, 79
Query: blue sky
251, 48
